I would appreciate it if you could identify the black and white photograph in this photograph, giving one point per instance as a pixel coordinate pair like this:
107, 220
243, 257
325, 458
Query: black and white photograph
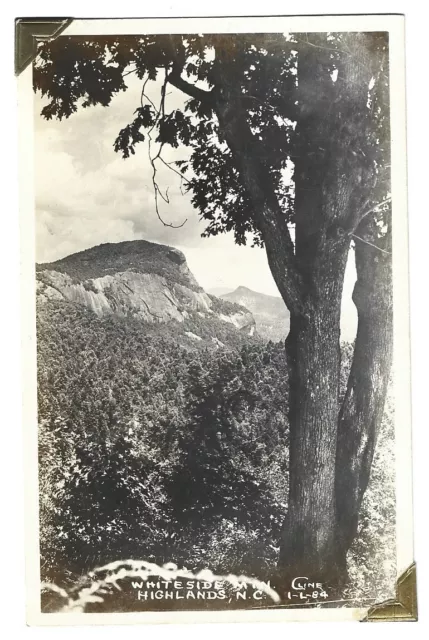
220, 277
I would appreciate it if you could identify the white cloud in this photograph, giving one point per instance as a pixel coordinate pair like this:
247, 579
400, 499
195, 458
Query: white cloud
60, 236
79, 175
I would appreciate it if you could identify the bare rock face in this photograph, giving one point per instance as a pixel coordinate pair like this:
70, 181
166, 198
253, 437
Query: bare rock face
141, 279
147, 296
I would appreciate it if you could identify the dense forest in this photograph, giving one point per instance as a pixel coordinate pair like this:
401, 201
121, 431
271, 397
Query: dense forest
157, 448
141, 438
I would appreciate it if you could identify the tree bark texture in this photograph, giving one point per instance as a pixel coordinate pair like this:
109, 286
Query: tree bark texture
363, 405
313, 353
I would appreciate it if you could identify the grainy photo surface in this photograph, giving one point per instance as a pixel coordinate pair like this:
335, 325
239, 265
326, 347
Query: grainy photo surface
216, 399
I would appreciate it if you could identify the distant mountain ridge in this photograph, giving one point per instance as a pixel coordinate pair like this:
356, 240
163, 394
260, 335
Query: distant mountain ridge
148, 282
271, 315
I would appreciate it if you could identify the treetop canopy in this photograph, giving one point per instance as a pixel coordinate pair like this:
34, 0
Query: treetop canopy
261, 78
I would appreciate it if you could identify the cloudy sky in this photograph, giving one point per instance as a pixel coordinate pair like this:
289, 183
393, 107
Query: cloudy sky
86, 194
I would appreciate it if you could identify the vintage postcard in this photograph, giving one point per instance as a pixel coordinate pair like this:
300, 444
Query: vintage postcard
215, 278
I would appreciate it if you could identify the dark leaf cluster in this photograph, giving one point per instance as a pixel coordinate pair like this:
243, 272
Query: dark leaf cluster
130, 135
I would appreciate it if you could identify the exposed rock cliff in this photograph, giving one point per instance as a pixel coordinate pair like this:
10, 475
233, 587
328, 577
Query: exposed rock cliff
141, 279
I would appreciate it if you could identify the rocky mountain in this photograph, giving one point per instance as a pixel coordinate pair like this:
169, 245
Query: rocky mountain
270, 312
145, 281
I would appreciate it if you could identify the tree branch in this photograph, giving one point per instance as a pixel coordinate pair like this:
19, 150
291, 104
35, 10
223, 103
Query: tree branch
168, 165
268, 216
361, 216
175, 78
370, 244
160, 112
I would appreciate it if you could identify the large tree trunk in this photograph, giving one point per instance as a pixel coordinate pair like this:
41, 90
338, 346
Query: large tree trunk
331, 452
308, 545
310, 274
363, 405
308, 542
326, 210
